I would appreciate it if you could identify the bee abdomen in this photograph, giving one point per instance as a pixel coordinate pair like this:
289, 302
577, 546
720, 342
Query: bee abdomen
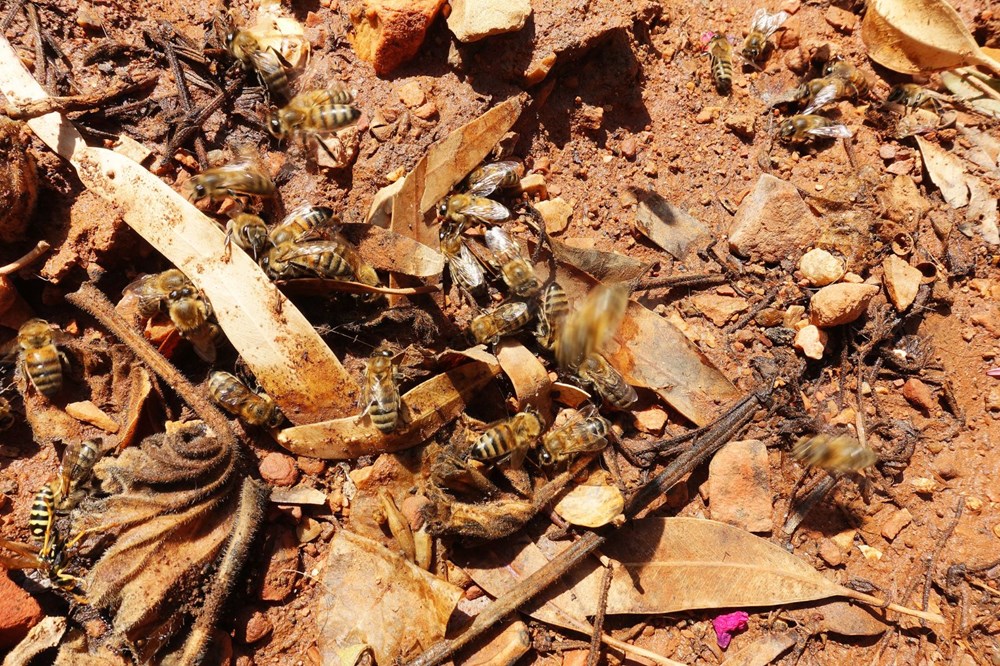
40, 518
489, 446
332, 264
384, 417
44, 370
333, 117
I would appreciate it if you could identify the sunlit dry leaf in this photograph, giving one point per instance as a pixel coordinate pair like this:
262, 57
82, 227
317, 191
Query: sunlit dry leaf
291, 362
604, 266
88, 412
762, 651
591, 505
839, 617
350, 655
75, 651
140, 384
425, 408
569, 395
671, 228
389, 251
971, 94
373, 596
505, 649
43, 636
982, 210
530, 379
919, 36
947, 172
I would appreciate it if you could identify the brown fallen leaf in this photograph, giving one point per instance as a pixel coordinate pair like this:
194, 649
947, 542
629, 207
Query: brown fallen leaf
968, 87
947, 171
603, 266
371, 594
140, 384
920, 36
762, 651
530, 379
389, 251
505, 649
424, 409
591, 505
672, 229
88, 412
839, 617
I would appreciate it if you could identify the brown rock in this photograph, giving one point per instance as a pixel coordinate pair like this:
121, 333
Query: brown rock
282, 566
19, 612
257, 628
472, 20
919, 395
739, 487
742, 125
313, 466
821, 268
279, 469
773, 222
841, 19
830, 553
902, 201
387, 33
902, 281
413, 509
650, 420
719, 309
896, 523
411, 94
839, 304
556, 213
811, 341
426, 111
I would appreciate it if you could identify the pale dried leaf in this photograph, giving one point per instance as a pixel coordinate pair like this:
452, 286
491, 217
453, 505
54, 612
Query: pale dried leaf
298, 495
505, 649
591, 505
43, 636
389, 251
350, 655
527, 375
947, 172
291, 362
839, 617
424, 409
371, 594
607, 267
569, 394
982, 210
970, 94
674, 230
762, 651
140, 384
919, 36
88, 412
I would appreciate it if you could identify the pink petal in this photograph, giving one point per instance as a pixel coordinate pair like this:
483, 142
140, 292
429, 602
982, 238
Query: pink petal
728, 624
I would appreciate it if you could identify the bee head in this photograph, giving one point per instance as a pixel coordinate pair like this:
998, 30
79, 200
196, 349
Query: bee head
443, 208
751, 51
545, 457
274, 125
896, 95
787, 129
229, 37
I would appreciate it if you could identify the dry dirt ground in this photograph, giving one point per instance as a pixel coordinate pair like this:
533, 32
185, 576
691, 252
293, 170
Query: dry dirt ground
630, 110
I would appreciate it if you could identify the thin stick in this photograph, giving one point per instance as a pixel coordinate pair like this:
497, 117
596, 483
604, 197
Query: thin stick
36, 27
667, 281
48, 105
11, 14
602, 607
975, 82
630, 649
880, 603
941, 541
31, 257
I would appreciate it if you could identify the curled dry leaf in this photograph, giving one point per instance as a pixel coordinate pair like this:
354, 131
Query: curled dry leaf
424, 409
530, 379
371, 593
505, 649
389, 251
947, 172
268, 331
88, 412
140, 384
591, 505
762, 651
970, 92
918, 36
840, 617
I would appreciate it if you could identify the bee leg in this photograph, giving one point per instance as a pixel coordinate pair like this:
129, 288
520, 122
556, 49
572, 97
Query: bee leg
227, 253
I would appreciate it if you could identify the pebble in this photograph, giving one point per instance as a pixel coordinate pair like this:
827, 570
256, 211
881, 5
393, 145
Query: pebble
556, 213
411, 94
902, 281
739, 487
650, 420
387, 33
539, 69
742, 125
895, 524
719, 309
628, 148
590, 118
841, 19
426, 111
279, 469
282, 566
412, 508
821, 268
811, 341
919, 395
840, 303
19, 612
311, 466
472, 20
258, 627
993, 400
830, 553
707, 114
773, 222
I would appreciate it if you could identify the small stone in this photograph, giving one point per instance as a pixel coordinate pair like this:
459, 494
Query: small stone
539, 69
919, 395
258, 627
840, 19
841, 303
993, 399
946, 468
793, 315
896, 523
282, 566
821, 268
650, 420
311, 466
872, 554
426, 111
708, 114
773, 221
387, 33
590, 118
902, 281
742, 125
472, 20
279, 469
974, 504
887, 151
411, 94
811, 341
923, 485
19, 612
534, 184
719, 309
901, 168
628, 148
649, 168
556, 213
739, 486
830, 553
412, 509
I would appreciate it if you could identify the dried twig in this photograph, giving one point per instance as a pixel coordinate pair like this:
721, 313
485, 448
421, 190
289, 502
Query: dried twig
31, 257
48, 105
41, 65
602, 607
941, 541
192, 123
754, 310
12, 12
669, 281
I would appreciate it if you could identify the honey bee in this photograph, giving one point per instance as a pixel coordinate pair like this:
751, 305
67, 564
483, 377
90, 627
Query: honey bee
494, 176
552, 310
242, 177
837, 453
62, 493
380, 393
267, 62
583, 336
763, 24
249, 231
503, 320
465, 208
720, 54
335, 259
314, 112
912, 96
802, 128
171, 291
820, 92
585, 432
233, 396
464, 268
512, 437
514, 268
41, 361
6, 413
304, 221
844, 70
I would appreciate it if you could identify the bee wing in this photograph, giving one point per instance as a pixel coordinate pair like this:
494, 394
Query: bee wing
149, 299
826, 95
834, 131
491, 175
517, 456
588, 328
486, 209
465, 268
501, 244
767, 23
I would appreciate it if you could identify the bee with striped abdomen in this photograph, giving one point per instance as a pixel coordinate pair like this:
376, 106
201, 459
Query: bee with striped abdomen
236, 398
40, 358
838, 453
493, 176
804, 127
380, 393
501, 321
173, 293
248, 231
842, 69
243, 177
269, 65
514, 268
464, 268
512, 437
463, 209
584, 432
553, 306
305, 221
335, 258
912, 96
763, 24
314, 112
720, 55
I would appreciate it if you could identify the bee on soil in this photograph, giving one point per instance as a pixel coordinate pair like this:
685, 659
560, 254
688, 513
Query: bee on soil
464, 268
803, 128
912, 96
314, 112
512, 437
249, 232
268, 63
585, 432
585, 333
173, 293
514, 268
720, 54
236, 398
334, 259
62, 493
463, 209
244, 177
40, 359
501, 321
380, 393
553, 306
763, 24
842, 69
489, 178
837, 453
304, 222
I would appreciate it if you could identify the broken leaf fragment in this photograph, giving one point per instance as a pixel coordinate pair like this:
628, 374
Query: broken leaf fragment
591, 505
970, 92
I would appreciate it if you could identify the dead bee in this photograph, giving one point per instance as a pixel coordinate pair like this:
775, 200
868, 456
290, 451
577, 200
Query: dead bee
553, 306
303, 222
464, 209
172, 292
314, 112
912, 96
249, 231
39, 358
464, 268
585, 333
236, 398
380, 393
842, 69
802, 128
586, 431
266, 62
514, 268
763, 24
840, 453
242, 177
494, 176
512, 438
501, 321
335, 259
720, 54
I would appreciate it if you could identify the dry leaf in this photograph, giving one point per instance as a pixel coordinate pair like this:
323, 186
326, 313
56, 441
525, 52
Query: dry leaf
424, 410
603, 266
591, 505
283, 34
371, 594
919, 36
88, 412
839, 617
982, 210
530, 379
43, 636
762, 651
672, 229
970, 94
291, 362
947, 172
389, 251
140, 384
505, 649
298, 495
